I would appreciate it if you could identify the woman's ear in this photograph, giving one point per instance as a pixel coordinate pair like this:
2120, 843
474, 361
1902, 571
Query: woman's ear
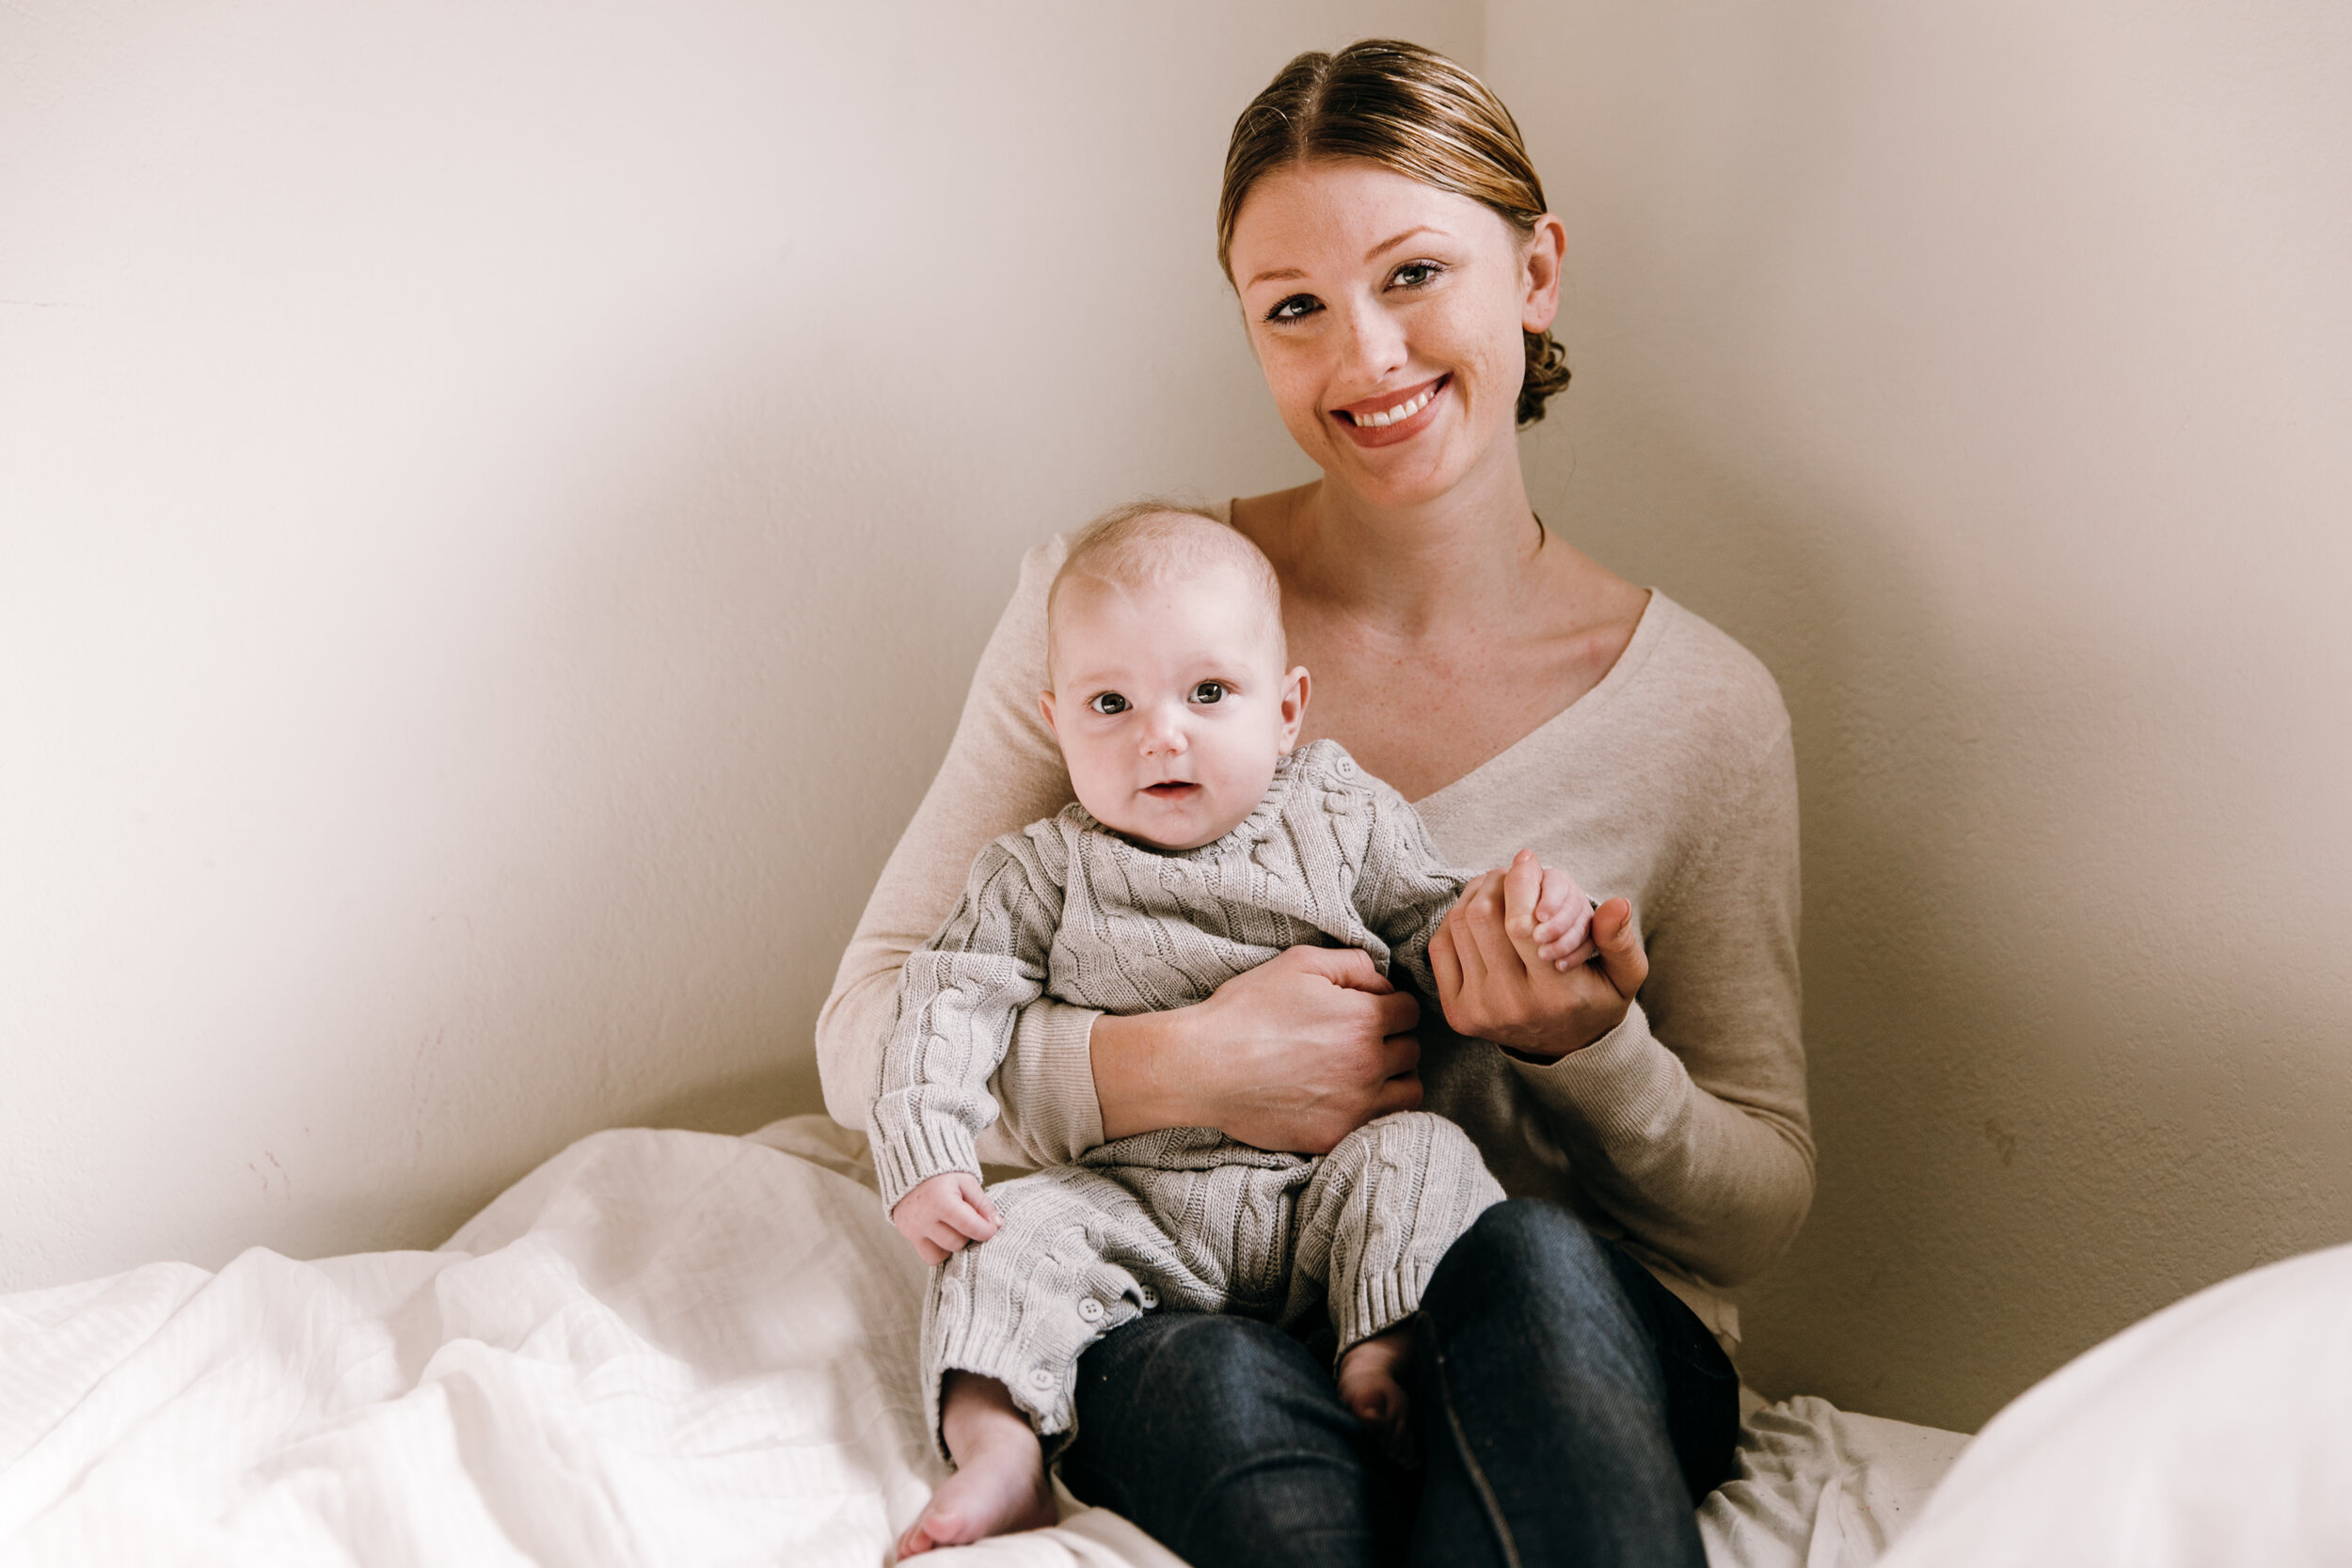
1295, 686
1547, 249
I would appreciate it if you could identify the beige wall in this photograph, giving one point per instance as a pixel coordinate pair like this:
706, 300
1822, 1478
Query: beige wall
497, 504
1988, 369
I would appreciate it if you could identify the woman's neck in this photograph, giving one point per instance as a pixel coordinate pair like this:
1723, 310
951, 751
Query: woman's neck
1456, 560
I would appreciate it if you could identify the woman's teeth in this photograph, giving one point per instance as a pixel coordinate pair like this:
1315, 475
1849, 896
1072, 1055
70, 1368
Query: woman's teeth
1400, 412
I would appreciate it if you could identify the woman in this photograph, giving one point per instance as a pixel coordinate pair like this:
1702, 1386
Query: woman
1398, 274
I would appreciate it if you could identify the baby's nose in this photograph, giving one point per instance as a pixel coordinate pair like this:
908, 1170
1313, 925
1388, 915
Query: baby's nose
1165, 733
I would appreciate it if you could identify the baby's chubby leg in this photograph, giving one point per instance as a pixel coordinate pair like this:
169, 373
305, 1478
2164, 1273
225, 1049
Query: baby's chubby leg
1024, 1286
1000, 1485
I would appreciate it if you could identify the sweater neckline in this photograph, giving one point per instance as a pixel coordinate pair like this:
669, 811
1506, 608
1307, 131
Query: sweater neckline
1656, 612
1652, 625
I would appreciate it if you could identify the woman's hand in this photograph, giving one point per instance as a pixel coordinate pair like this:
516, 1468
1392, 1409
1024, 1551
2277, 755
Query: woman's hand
1495, 982
1292, 1055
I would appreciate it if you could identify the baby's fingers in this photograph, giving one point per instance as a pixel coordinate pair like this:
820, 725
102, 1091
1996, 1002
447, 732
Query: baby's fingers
974, 1216
1560, 904
1585, 952
945, 1234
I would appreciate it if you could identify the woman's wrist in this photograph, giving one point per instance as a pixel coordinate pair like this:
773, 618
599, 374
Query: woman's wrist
1576, 1033
1136, 1079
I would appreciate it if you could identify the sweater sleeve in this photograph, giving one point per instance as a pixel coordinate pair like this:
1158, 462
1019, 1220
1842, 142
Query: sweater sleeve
1702, 1151
1002, 771
960, 995
1405, 887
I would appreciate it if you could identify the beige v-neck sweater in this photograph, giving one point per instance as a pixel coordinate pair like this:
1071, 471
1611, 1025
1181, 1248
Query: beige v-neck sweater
1682, 1133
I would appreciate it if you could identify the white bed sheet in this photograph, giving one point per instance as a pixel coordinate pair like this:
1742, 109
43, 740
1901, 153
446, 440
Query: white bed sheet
659, 1348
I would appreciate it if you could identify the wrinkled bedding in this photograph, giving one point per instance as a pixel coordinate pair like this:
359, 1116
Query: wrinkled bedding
659, 1348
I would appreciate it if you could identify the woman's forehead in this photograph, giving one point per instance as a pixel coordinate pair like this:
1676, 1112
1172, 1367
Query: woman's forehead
1344, 209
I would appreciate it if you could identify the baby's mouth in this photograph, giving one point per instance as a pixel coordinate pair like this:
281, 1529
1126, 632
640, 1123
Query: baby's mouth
1170, 789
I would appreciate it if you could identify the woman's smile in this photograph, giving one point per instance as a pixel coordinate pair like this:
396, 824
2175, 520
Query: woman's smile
1394, 416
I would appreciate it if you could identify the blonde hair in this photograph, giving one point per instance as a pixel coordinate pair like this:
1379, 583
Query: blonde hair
1150, 542
1415, 113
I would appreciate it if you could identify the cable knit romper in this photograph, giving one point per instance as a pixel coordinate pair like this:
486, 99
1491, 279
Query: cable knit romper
1333, 857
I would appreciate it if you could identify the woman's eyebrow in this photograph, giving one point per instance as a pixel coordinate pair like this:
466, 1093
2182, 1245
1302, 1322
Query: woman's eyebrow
1389, 244
1393, 244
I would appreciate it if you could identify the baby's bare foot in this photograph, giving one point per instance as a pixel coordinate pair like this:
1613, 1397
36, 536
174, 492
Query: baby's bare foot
1000, 1485
1371, 1386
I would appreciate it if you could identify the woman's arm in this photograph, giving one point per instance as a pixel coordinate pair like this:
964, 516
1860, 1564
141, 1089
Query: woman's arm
1293, 1055
1701, 1149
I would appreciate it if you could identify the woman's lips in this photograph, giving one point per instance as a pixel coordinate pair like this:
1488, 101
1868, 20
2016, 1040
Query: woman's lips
1394, 416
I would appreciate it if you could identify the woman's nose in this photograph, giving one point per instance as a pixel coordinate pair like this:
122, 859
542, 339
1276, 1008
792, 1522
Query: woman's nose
1375, 344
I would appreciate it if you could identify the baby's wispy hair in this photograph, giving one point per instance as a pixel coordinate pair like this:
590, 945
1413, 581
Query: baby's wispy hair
1149, 542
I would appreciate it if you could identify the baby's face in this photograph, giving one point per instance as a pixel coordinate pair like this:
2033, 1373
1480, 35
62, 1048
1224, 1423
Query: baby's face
1171, 704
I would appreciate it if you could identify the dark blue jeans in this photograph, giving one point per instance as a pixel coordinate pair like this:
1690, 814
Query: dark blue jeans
1569, 1410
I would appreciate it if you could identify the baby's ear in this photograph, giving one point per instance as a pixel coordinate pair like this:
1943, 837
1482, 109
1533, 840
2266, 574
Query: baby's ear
1045, 706
1295, 688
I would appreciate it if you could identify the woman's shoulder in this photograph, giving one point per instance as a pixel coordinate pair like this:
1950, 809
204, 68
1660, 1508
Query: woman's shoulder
1701, 683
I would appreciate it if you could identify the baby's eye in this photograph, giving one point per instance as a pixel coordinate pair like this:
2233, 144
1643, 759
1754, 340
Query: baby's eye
1296, 308
1109, 702
1209, 691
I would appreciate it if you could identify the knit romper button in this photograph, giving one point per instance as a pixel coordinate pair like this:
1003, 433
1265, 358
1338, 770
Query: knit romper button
1091, 1309
1041, 1377
1150, 1296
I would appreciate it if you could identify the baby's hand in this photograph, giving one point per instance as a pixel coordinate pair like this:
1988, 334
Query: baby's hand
940, 1214
1564, 922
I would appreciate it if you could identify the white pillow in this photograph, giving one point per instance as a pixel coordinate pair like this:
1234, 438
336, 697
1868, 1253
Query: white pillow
2218, 1431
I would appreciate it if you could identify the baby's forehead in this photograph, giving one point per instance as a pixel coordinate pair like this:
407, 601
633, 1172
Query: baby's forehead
1214, 607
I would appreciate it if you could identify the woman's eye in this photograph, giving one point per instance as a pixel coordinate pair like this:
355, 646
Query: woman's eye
1412, 275
1110, 703
1296, 308
1209, 691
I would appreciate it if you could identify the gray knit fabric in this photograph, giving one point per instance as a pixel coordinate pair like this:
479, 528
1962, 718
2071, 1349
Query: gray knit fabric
1331, 857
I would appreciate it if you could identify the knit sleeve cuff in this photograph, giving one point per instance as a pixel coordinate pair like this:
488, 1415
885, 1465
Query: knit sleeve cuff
912, 1149
1048, 1074
1626, 1086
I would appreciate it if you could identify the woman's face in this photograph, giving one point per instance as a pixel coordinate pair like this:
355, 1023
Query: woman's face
1387, 316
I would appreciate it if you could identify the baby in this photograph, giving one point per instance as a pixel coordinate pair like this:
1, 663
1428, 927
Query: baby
1205, 841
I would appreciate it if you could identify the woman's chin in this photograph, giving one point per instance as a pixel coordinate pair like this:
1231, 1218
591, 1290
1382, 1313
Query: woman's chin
1413, 472
1395, 478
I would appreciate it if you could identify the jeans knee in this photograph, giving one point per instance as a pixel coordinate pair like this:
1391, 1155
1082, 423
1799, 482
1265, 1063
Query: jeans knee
1531, 1248
1528, 1233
